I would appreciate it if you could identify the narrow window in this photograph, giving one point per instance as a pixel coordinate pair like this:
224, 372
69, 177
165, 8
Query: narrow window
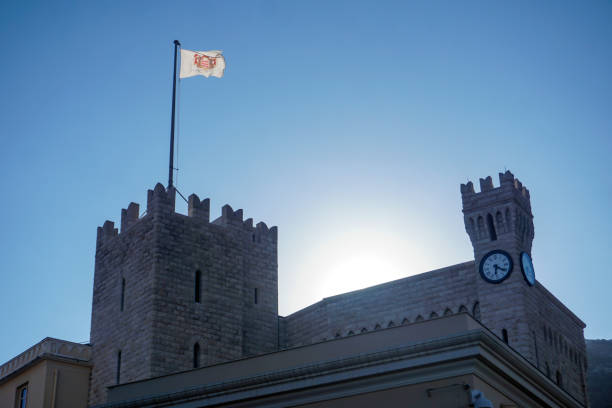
255, 296
197, 285
22, 396
535, 346
122, 293
508, 220
505, 335
118, 366
547, 370
559, 379
196, 355
476, 311
480, 227
499, 219
492, 233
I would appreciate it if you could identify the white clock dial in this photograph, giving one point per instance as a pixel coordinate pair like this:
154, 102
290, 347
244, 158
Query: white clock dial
527, 267
496, 266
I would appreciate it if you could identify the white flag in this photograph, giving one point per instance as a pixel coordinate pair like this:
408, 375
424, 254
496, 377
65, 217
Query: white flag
204, 63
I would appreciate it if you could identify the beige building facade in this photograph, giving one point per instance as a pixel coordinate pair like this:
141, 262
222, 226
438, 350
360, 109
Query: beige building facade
51, 374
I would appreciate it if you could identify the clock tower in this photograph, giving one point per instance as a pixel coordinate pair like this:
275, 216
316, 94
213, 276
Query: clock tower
499, 223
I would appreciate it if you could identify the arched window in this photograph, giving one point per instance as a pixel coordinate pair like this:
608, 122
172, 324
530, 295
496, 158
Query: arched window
476, 311
505, 335
480, 227
462, 309
196, 355
448, 312
197, 287
499, 219
547, 370
433, 315
508, 220
377, 327
391, 324
419, 318
405, 321
559, 379
492, 234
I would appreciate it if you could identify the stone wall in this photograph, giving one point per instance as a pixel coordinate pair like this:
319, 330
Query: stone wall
495, 218
155, 262
421, 297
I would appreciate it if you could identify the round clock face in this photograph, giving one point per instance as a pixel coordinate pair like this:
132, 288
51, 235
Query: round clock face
527, 267
496, 266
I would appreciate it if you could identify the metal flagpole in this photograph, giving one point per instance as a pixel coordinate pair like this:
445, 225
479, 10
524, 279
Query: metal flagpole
171, 170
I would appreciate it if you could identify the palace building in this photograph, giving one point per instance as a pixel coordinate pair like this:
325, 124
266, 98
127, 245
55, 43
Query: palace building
185, 314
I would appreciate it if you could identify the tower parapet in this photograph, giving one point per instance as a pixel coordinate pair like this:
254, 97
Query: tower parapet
162, 201
509, 188
494, 213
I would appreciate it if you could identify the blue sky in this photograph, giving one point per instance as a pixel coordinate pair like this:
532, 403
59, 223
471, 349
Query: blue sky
349, 125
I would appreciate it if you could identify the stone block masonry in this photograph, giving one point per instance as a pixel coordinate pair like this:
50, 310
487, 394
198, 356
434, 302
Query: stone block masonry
146, 315
172, 292
536, 324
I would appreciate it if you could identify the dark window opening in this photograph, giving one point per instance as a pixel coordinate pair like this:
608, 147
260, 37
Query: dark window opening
491, 226
559, 379
122, 293
547, 370
255, 296
118, 366
22, 396
197, 286
505, 335
196, 355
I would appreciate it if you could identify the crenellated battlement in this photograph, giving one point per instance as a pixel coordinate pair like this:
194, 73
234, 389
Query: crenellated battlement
161, 201
509, 188
498, 211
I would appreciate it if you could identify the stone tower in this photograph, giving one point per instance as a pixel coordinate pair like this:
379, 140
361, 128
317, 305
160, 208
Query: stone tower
173, 292
501, 219
521, 312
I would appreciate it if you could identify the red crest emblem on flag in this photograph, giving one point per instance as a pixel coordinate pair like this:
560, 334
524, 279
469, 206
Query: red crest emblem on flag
204, 61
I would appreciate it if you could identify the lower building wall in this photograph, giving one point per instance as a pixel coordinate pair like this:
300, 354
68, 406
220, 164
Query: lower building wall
50, 383
34, 376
